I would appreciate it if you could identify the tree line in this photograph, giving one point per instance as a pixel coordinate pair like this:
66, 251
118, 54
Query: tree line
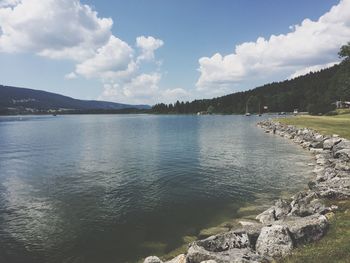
315, 92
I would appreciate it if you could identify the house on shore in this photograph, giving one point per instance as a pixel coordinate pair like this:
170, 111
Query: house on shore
342, 104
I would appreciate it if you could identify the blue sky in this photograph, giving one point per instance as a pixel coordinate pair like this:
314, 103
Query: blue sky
186, 49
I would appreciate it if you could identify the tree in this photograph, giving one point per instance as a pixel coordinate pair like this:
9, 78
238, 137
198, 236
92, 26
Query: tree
210, 109
345, 52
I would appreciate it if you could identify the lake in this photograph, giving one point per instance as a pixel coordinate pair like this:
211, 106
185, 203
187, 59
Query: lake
116, 188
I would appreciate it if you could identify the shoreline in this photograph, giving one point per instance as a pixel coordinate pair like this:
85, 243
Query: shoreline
289, 223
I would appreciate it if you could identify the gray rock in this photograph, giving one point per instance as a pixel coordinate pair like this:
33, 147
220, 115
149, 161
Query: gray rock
326, 174
329, 143
306, 229
274, 241
317, 144
252, 231
344, 144
267, 216
233, 246
224, 241
343, 154
197, 254
152, 259
335, 188
282, 208
305, 204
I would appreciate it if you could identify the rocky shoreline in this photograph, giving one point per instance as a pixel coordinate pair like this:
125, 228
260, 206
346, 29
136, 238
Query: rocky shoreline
288, 223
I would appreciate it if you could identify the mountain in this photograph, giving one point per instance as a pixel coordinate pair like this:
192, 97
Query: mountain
21, 100
315, 92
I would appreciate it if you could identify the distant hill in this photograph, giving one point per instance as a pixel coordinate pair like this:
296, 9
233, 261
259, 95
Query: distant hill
22, 100
314, 92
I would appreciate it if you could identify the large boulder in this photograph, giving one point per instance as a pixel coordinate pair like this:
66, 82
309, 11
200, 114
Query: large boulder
274, 241
252, 230
305, 204
335, 188
197, 254
225, 241
305, 229
331, 142
326, 174
224, 248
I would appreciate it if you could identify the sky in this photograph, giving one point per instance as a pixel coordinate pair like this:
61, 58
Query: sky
150, 51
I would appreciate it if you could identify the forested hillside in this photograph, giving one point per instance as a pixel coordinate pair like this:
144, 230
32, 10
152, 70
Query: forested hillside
15, 100
315, 92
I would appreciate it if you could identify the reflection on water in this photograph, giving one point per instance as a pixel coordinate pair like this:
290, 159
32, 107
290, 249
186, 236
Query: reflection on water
115, 188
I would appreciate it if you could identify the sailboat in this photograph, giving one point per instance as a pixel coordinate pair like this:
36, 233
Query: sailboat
246, 110
260, 109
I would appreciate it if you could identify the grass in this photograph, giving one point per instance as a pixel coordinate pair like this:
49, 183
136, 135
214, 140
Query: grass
335, 246
328, 125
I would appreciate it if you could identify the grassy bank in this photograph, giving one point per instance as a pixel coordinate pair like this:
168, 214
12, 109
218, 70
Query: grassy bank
335, 246
339, 124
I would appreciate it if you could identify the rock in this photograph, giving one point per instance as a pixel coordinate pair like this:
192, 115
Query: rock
316, 150
305, 204
228, 247
179, 259
197, 254
252, 231
306, 229
225, 241
326, 174
329, 143
319, 138
282, 208
209, 261
344, 144
317, 144
343, 154
274, 241
152, 259
267, 216
335, 188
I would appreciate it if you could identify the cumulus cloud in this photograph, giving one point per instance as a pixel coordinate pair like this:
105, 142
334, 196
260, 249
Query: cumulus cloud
142, 89
309, 44
70, 30
52, 28
147, 46
113, 57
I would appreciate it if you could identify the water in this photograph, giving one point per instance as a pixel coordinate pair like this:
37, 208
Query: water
114, 188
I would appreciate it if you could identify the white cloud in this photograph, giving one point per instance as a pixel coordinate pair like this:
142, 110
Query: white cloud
52, 28
148, 45
142, 89
315, 68
308, 44
113, 57
67, 29
71, 75
8, 3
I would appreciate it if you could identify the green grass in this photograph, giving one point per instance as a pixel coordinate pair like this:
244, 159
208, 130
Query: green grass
328, 125
334, 247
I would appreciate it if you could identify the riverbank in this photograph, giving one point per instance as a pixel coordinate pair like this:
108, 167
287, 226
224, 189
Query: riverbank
290, 223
